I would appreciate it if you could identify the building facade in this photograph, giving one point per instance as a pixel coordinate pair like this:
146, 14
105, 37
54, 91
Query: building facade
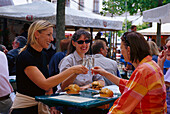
84, 5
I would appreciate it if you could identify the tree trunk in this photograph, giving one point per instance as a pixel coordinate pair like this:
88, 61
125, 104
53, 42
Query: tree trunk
158, 37
5, 33
60, 23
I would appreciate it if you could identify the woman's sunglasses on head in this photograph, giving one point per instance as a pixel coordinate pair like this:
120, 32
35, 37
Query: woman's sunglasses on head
82, 41
125, 38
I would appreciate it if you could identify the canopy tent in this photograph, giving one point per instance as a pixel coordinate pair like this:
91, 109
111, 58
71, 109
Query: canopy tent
152, 31
160, 14
6, 2
73, 18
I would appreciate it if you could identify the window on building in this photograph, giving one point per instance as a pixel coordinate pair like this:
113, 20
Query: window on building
54, 1
81, 4
96, 6
67, 3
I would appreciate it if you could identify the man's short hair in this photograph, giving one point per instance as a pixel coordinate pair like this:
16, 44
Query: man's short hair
97, 45
2, 47
133, 26
21, 40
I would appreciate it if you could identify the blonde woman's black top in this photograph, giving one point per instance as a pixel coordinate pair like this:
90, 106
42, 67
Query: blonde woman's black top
30, 57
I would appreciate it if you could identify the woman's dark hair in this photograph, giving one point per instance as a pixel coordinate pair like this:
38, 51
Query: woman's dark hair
139, 47
64, 44
75, 37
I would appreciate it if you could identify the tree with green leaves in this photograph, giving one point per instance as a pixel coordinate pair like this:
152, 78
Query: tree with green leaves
144, 25
133, 6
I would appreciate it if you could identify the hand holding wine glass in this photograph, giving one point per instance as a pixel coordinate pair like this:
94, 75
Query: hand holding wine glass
88, 61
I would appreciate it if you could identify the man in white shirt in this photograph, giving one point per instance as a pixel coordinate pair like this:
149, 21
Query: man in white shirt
5, 86
99, 48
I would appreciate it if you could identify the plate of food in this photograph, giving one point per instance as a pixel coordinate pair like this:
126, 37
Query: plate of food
96, 86
72, 89
105, 93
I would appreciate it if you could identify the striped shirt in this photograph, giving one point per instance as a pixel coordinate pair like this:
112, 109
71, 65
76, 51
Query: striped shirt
144, 92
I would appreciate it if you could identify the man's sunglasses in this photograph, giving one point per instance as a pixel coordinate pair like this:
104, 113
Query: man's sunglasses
82, 41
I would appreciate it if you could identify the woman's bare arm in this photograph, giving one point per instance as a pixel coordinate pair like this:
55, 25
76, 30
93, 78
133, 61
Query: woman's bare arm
38, 78
110, 76
68, 81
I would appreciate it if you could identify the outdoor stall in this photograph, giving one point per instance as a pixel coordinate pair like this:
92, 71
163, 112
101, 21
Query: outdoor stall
47, 10
74, 19
152, 32
160, 15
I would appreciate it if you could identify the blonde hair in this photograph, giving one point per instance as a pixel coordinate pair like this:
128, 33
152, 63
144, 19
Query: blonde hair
153, 48
39, 25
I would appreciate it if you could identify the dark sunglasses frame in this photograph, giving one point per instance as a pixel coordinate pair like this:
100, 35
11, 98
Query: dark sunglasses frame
166, 47
125, 37
82, 41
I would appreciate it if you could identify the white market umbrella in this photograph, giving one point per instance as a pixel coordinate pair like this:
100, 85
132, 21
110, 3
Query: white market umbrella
47, 10
160, 15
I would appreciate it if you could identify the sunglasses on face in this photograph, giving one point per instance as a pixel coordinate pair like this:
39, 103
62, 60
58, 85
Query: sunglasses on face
82, 42
166, 47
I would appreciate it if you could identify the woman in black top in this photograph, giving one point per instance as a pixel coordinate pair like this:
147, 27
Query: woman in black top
32, 73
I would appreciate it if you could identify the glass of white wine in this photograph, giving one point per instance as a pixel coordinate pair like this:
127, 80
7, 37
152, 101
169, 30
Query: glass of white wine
91, 61
88, 61
85, 61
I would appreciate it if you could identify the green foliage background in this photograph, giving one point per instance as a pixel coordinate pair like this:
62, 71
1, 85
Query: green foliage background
133, 6
118, 7
129, 24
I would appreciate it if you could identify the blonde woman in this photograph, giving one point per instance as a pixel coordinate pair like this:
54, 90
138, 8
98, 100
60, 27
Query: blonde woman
32, 74
154, 51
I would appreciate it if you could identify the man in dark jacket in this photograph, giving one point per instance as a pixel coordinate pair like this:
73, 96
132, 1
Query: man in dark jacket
18, 43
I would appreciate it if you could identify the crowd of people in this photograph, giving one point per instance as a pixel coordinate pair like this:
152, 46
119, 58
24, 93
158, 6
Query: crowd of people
146, 91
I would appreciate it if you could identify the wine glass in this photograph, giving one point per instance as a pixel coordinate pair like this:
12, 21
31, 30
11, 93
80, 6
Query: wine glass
129, 73
88, 61
84, 61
